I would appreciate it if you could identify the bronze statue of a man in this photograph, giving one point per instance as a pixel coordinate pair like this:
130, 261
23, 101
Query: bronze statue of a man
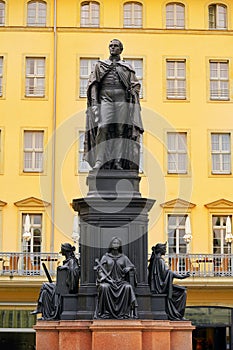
113, 123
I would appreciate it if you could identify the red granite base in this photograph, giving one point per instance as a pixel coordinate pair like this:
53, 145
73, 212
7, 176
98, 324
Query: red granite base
114, 335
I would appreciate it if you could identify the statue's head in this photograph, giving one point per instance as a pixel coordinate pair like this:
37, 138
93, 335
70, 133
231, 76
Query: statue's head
115, 47
115, 244
160, 248
67, 248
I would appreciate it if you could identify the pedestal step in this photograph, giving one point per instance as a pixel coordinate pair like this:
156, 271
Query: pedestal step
114, 335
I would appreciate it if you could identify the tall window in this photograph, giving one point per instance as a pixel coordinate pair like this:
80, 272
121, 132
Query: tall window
175, 16
34, 244
217, 16
35, 77
90, 14
219, 80
177, 153
132, 15
2, 13
176, 232
1, 75
83, 166
219, 233
137, 65
86, 66
36, 13
33, 151
176, 79
221, 153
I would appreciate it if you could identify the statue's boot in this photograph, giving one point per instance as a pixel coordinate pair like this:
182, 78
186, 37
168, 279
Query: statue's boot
35, 312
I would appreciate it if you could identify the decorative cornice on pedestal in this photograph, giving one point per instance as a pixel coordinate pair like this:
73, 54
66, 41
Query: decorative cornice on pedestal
31, 202
178, 203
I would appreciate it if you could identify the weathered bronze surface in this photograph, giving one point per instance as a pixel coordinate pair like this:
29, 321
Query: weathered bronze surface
113, 119
49, 301
116, 280
160, 280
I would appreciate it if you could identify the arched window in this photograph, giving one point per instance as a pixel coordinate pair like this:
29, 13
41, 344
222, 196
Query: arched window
2, 13
36, 14
132, 15
90, 14
175, 16
217, 16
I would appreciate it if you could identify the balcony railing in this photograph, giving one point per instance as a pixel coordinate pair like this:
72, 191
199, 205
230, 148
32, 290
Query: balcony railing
199, 265
28, 264
202, 265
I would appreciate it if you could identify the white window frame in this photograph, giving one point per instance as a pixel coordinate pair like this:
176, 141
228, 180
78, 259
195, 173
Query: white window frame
30, 246
221, 153
90, 14
172, 14
34, 151
2, 13
83, 166
84, 77
174, 154
176, 85
222, 228
179, 230
218, 17
219, 84
137, 65
39, 13
132, 14
35, 79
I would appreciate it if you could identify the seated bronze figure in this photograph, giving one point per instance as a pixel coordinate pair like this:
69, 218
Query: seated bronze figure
116, 297
49, 301
160, 280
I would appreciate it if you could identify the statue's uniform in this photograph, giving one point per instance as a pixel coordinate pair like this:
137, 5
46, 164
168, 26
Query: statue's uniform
113, 110
113, 89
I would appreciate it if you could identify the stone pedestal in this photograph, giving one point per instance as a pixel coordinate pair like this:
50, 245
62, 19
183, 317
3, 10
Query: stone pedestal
113, 207
114, 335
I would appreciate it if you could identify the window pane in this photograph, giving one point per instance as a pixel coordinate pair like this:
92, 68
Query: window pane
27, 160
215, 142
182, 141
182, 162
132, 15
221, 16
2, 13
225, 142
226, 162
171, 141
36, 14
39, 140
89, 14
30, 66
38, 161
28, 139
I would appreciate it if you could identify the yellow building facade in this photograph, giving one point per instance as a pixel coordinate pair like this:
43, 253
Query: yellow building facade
182, 54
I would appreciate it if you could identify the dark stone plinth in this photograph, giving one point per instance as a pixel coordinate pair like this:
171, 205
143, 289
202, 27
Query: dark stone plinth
69, 307
158, 306
113, 183
113, 207
69, 302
